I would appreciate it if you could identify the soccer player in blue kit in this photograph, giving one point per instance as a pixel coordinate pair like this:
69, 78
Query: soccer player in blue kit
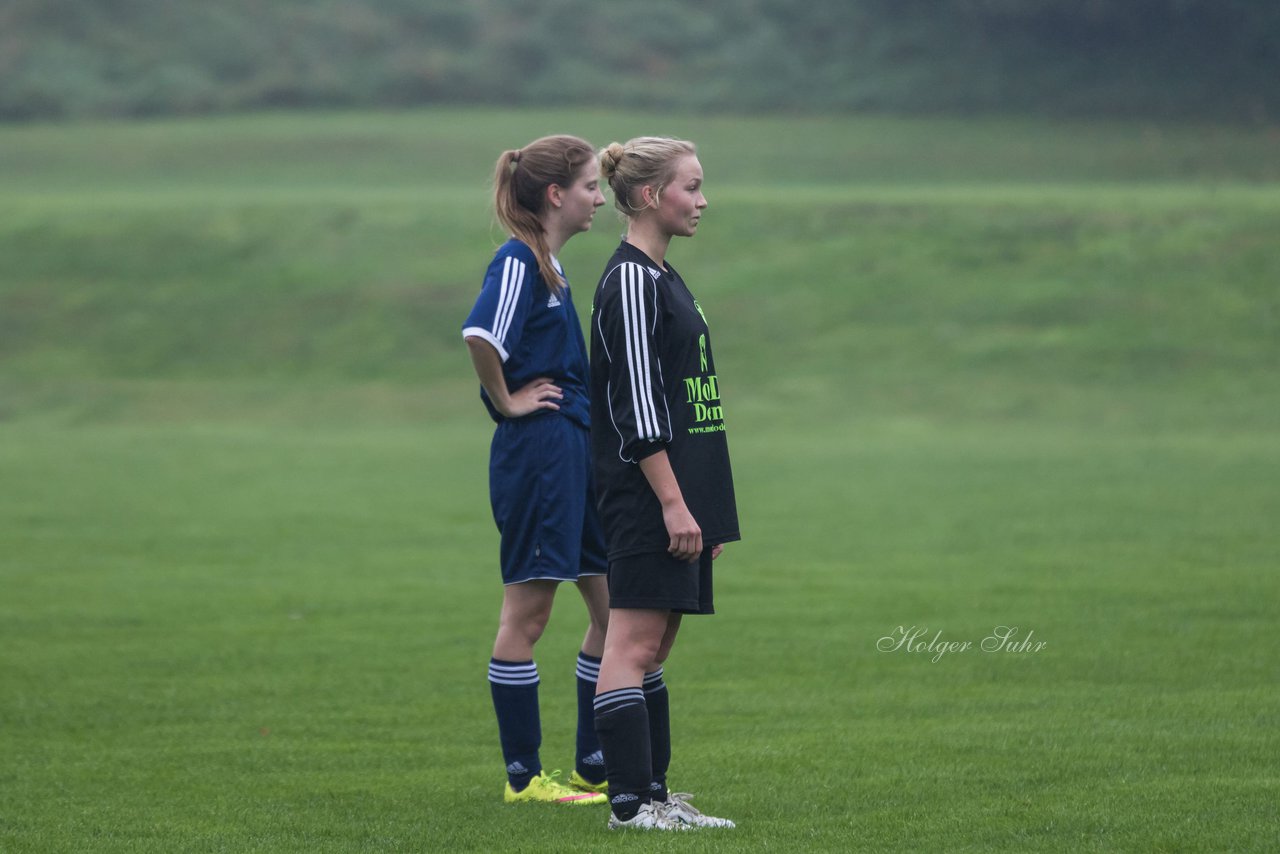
662, 471
527, 348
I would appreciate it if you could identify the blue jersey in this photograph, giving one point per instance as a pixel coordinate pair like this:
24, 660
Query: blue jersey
536, 332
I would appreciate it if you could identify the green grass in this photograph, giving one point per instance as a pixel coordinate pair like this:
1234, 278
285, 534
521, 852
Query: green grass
976, 374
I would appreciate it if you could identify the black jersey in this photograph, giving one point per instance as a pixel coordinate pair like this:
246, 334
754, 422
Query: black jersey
654, 388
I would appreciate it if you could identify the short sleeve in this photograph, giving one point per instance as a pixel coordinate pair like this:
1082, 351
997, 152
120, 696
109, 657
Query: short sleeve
503, 305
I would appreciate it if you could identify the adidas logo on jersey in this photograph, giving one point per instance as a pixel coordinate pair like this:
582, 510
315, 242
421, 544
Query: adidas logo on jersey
553, 302
655, 273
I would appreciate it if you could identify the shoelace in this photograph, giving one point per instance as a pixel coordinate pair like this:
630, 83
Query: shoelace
664, 814
679, 807
553, 781
680, 801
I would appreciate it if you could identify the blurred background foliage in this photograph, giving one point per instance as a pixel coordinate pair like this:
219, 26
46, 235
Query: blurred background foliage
1211, 59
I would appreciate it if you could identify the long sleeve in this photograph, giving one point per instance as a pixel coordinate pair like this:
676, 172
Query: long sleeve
628, 326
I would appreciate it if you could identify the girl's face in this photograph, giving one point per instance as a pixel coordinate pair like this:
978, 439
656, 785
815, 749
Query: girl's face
681, 202
580, 200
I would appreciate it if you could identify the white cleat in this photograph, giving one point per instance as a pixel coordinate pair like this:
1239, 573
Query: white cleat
650, 817
679, 809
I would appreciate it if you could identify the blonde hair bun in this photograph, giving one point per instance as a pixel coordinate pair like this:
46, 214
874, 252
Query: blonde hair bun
650, 160
609, 159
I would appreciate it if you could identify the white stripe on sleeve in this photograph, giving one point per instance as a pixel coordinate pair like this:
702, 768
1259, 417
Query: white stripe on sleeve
633, 320
509, 297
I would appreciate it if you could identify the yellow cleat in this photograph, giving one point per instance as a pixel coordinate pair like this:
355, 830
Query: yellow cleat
546, 788
582, 784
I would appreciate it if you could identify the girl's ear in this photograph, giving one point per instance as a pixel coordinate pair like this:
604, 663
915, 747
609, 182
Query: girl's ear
648, 196
555, 195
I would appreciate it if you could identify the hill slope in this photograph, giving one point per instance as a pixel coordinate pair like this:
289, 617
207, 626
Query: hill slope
1155, 57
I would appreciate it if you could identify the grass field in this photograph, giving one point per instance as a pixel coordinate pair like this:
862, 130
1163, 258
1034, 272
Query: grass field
976, 374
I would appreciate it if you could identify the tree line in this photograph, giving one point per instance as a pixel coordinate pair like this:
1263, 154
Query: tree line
1216, 59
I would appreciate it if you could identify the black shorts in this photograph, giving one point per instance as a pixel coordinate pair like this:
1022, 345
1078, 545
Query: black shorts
660, 582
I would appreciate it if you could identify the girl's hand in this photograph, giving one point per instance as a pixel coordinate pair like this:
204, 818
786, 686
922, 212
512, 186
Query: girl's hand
686, 536
541, 393
715, 551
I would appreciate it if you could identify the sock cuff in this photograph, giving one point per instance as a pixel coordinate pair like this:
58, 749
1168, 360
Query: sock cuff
512, 672
588, 667
612, 701
653, 681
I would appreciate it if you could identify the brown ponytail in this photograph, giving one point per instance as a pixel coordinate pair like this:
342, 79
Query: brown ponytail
520, 182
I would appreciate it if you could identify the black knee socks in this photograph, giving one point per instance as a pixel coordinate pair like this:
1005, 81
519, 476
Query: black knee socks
659, 708
622, 722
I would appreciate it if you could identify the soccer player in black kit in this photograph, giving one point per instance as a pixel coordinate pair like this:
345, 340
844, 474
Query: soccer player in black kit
661, 462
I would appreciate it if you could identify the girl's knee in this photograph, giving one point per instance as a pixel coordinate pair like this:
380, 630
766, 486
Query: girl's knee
524, 624
534, 625
638, 653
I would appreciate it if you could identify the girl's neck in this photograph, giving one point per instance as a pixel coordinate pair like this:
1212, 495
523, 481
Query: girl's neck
649, 240
555, 240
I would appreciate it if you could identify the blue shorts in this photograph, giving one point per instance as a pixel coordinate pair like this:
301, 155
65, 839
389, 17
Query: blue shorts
543, 497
